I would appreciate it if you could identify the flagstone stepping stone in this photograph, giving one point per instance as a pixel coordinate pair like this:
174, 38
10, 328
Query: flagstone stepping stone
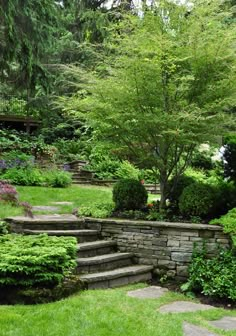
225, 323
44, 208
62, 203
152, 292
184, 307
192, 330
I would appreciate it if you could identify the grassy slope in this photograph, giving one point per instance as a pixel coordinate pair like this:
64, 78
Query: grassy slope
79, 195
103, 313
84, 195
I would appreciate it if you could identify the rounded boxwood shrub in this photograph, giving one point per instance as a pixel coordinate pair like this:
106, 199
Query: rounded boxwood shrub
129, 194
176, 187
198, 199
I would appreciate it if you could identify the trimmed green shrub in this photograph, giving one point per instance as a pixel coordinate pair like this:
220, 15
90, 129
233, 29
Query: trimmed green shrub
57, 178
129, 195
214, 277
35, 260
198, 199
176, 187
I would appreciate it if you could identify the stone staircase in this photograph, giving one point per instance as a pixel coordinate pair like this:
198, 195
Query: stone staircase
99, 264
79, 174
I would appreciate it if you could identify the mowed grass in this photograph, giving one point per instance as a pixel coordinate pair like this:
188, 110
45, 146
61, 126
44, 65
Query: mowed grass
78, 195
104, 313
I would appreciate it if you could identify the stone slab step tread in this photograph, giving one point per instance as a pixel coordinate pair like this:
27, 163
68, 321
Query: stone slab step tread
117, 273
105, 258
46, 219
64, 232
96, 245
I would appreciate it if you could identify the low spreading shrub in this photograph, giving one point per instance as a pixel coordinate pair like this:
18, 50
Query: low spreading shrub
129, 195
57, 178
35, 260
198, 199
215, 277
37, 177
24, 177
97, 210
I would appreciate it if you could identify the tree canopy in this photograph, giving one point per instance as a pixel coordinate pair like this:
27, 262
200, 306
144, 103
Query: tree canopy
168, 86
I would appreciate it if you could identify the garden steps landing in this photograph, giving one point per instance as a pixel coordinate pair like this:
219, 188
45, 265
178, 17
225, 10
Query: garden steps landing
99, 263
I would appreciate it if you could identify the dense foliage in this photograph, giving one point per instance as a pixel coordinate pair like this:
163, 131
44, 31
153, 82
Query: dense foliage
129, 194
229, 155
228, 221
214, 277
35, 260
162, 130
38, 177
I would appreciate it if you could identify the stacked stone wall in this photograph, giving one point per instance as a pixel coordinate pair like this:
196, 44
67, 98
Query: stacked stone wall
166, 246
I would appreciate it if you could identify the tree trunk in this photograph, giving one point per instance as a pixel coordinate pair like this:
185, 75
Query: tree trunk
163, 190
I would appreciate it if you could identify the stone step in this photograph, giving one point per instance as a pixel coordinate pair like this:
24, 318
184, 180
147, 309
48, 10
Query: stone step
104, 262
81, 235
75, 181
118, 277
46, 222
99, 247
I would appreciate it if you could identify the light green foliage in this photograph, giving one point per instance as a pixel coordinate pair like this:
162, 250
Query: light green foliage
97, 210
127, 170
35, 260
37, 177
228, 222
57, 178
24, 176
214, 277
167, 89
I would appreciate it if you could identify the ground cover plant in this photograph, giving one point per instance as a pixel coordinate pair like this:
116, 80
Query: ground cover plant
35, 260
104, 313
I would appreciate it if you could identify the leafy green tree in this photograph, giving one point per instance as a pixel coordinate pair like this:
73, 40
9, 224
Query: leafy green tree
167, 89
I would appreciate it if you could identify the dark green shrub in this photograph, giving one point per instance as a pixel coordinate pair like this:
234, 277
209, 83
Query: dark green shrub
4, 228
202, 161
226, 198
176, 187
214, 277
35, 260
198, 199
229, 156
129, 195
57, 178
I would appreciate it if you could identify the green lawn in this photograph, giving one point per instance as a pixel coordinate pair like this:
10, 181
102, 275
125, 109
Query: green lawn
103, 313
79, 195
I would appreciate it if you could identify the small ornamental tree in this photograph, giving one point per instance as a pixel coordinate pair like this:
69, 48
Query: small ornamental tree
167, 89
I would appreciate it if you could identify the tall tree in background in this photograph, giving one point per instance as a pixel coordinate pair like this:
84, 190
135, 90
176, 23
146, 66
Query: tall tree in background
167, 90
26, 30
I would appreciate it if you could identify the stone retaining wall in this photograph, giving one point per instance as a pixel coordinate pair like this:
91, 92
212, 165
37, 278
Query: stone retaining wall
166, 246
